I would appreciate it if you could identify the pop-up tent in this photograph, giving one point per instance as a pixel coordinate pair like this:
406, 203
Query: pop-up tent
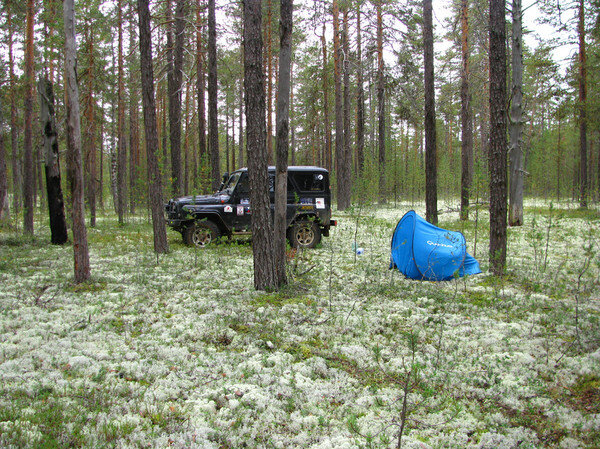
423, 251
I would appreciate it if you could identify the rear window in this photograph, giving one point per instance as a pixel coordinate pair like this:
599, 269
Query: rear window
310, 182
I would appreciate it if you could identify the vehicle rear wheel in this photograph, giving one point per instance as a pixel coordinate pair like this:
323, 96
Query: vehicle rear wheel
304, 234
201, 233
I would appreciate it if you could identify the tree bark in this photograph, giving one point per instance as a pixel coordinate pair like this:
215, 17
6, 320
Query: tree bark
515, 129
175, 89
254, 83
200, 88
56, 207
4, 210
466, 116
283, 126
327, 158
14, 130
345, 188
134, 131
161, 244
360, 99
339, 112
583, 165
269, 64
29, 179
498, 143
213, 125
80, 244
89, 133
430, 132
121, 145
380, 105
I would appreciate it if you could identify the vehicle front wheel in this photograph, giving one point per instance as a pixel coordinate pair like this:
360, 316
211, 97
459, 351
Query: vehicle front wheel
304, 234
201, 233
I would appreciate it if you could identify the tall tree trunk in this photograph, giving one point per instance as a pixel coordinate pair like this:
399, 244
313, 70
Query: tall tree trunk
360, 99
466, 115
175, 89
345, 188
200, 88
89, 133
498, 143
241, 114
4, 210
328, 162
134, 131
213, 125
80, 244
515, 127
29, 180
583, 165
121, 145
269, 64
14, 130
381, 104
283, 126
262, 229
339, 113
430, 133
161, 244
56, 207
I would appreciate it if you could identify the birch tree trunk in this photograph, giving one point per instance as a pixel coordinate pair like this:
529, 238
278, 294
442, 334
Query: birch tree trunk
73, 127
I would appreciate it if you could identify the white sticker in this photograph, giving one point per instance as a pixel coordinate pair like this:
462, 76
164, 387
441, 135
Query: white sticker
240, 210
228, 209
320, 202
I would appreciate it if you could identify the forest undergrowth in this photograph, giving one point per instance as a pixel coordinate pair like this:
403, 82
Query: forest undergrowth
179, 350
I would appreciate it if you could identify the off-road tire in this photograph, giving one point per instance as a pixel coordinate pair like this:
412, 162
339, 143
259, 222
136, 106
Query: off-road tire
304, 234
201, 233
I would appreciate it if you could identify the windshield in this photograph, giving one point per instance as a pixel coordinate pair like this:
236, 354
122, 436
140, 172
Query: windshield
231, 183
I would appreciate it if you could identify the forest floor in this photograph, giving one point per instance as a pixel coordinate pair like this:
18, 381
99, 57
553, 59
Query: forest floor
180, 351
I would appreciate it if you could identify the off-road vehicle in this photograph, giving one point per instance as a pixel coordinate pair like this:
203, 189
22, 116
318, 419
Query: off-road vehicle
202, 219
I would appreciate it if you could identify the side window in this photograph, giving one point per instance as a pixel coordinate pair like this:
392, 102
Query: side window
310, 182
242, 188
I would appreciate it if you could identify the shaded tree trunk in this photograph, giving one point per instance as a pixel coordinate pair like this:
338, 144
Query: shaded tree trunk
213, 125
29, 179
56, 207
282, 126
121, 145
134, 131
161, 244
515, 129
89, 134
175, 89
200, 88
4, 211
345, 188
380, 105
360, 99
498, 143
466, 116
339, 113
327, 151
254, 82
14, 130
269, 67
430, 132
583, 165
80, 244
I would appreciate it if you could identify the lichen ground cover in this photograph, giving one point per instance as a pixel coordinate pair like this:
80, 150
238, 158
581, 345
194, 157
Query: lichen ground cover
180, 351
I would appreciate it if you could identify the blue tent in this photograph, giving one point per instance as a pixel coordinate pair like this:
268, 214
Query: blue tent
423, 251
